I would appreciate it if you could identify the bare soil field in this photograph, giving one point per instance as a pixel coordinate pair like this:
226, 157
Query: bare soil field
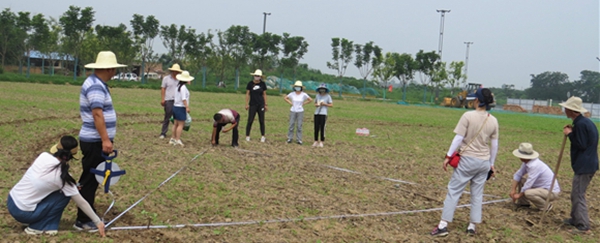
386, 187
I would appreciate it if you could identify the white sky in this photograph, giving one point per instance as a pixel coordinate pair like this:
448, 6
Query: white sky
512, 38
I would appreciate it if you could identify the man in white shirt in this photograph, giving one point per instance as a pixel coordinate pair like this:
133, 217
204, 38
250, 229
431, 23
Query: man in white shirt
535, 187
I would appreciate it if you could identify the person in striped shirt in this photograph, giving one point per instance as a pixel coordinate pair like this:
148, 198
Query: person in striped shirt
98, 129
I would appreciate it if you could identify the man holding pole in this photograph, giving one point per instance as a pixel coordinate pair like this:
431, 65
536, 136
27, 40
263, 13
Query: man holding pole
536, 186
583, 135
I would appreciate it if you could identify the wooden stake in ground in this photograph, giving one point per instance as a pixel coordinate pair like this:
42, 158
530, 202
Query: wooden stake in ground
562, 149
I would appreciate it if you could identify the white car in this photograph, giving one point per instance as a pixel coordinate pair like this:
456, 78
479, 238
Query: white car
126, 77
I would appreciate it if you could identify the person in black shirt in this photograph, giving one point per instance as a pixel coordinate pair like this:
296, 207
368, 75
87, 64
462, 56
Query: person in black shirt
256, 102
583, 135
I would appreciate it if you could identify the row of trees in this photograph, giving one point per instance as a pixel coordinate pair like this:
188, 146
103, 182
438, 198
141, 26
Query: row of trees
370, 60
557, 86
73, 37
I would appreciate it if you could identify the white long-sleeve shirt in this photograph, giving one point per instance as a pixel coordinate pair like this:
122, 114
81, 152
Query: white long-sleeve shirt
539, 176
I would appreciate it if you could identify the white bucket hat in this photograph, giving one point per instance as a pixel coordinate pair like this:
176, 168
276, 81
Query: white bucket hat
257, 72
105, 60
575, 104
184, 76
175, 68
298, 83
526, 151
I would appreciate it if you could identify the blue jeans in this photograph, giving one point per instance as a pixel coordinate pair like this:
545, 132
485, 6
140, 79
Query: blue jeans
46, 215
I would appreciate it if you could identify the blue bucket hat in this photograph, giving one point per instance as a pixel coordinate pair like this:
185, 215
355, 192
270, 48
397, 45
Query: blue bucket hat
322, 86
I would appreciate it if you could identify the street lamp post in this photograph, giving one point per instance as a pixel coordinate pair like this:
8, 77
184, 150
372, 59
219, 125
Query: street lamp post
265, 21
467, 59
441, 41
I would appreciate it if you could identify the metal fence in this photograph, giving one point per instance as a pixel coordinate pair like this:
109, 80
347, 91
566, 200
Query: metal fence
527, 104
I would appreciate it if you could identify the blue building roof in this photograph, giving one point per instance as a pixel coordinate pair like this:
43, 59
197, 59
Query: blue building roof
52, 56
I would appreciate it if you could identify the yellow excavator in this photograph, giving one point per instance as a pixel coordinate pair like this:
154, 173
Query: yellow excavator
464, 98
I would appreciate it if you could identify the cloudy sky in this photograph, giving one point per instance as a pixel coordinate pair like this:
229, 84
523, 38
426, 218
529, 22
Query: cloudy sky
512, 38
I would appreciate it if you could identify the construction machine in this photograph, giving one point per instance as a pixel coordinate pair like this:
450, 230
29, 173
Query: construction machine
464, 98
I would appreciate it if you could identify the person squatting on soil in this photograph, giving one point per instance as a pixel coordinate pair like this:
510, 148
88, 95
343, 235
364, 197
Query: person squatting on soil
181, 107
534, 187
256, 102
98, 129
322, 102
41, 196
167, 93
222, 118
297, 99
583, 135
474, 131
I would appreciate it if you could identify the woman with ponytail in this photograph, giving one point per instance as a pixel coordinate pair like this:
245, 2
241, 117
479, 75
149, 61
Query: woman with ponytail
181, 107
40, 197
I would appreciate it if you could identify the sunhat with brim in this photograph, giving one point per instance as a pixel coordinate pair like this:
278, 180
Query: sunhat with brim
74, 151
175, 68
323, 86
105, 60
525, 151
298, 84
575, 104
257, 72
184, 76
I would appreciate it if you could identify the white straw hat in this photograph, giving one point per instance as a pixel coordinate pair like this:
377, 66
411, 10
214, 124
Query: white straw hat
184, 76
175, 68
298, 83
257, 72
105, 60
526, 151
575, 104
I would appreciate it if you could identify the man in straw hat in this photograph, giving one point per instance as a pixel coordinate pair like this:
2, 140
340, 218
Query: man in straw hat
583, 135
167, 93
98, 129
533, 188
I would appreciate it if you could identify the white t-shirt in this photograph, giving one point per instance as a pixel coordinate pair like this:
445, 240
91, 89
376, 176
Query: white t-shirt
38, 182
326, 98
297, 101
181, 95
170, 85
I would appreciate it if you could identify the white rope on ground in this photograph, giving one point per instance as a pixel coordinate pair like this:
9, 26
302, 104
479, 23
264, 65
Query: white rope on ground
220, 224
394, 180
161, 184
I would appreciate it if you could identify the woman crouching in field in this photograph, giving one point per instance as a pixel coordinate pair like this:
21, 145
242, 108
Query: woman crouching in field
474, 131
41, 196
181, 106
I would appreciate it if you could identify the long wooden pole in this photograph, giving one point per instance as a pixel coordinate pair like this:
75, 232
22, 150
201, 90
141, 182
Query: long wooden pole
562, 149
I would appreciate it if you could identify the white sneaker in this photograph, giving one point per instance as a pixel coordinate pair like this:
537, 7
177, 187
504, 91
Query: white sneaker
321, 144
31, 231
263, 139
180, 143
173, 141
247, 139
315, 144
162, 136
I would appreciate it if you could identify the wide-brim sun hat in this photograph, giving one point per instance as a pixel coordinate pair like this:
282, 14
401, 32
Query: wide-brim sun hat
257, 72
298, 83
525, 151
175, 68
575, 104
323, 86
184, 76
105, 60
74, 151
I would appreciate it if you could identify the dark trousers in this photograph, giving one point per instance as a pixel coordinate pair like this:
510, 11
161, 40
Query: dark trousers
320, 127
579, 210
92, 157
168, 114
252, 110
234, 132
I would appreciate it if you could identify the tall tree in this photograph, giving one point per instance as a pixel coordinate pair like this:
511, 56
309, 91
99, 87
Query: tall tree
176, 40
197, 53
145, 31
426, 62
75, 23
588, 86
118, 40
548, 85
219, 58
266, 49
341, 56
404, 70
238, 40
294, 48
456, 77
21, 41
439, 78
384, 72
367, 57
8, 33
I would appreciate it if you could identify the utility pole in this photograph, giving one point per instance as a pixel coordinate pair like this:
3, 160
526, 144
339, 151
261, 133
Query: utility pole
441, 41
467, 59
265, 21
